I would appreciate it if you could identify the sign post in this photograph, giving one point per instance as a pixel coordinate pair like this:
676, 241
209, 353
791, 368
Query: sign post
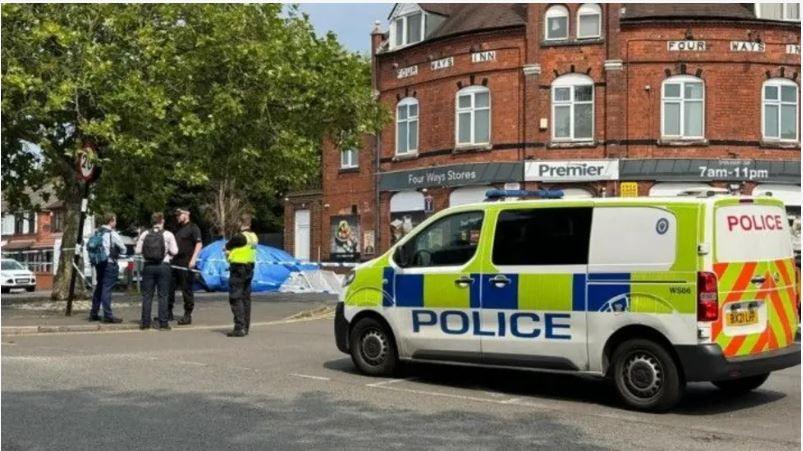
87, 172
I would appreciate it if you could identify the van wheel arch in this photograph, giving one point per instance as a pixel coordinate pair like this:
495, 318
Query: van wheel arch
637, 331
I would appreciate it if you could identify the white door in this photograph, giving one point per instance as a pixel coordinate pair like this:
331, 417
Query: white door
301, 240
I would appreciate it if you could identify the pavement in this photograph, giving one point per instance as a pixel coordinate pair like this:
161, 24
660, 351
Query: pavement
286, 386
212, 310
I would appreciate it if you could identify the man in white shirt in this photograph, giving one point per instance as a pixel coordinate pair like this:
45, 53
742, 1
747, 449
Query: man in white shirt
106, 271
156, 246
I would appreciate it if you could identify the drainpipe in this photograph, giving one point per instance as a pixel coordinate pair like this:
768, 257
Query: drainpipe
376, 42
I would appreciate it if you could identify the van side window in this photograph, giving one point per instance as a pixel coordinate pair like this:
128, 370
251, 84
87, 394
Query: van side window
542, 236
451, 241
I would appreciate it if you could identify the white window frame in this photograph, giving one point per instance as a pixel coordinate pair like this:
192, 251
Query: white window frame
785, 11
682, 80
472, 91
571, 81
590, 9
552, 12
406, 102
349, 159
779, 83
405, 40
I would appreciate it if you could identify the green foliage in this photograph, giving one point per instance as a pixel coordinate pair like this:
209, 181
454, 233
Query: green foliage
179, 97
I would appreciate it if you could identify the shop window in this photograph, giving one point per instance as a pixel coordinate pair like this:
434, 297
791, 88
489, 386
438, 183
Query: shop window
557, 23
349, 159
407, 126
573, 108
543, 236
778, 11
589, 21
450, 241
779, 111
682, 108
473, 116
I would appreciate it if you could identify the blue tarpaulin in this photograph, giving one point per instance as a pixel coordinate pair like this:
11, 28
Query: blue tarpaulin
273, 266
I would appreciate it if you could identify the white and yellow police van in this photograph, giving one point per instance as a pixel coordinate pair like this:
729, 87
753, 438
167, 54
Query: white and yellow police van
649, 292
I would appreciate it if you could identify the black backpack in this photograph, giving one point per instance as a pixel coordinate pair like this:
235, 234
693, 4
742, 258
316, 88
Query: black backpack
153, 246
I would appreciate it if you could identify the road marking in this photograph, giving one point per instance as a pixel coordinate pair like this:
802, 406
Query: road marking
309, 376
189, 362
390, 381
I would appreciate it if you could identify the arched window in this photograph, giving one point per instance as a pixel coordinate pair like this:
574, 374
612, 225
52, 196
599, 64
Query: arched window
573, 108
407, 126
779, 110
556, 22
589, 20
473, 118
683, 107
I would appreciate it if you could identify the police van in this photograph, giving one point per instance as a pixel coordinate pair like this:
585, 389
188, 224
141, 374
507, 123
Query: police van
648, 292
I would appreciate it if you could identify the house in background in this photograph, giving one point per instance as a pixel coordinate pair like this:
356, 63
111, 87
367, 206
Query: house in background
34, 238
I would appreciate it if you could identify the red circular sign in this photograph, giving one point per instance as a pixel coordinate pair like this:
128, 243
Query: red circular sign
84, 165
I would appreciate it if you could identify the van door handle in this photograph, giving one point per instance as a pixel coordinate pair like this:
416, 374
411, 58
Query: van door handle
758, 280
463, 281
499, 280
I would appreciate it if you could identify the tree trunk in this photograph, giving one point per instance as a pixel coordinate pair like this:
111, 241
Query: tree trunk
72, 210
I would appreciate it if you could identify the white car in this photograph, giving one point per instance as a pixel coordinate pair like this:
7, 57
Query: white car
15, 275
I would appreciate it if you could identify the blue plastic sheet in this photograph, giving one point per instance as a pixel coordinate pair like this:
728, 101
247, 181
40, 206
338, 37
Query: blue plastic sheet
273, 267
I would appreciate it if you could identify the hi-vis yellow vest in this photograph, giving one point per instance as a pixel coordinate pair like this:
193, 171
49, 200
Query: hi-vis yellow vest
247, 253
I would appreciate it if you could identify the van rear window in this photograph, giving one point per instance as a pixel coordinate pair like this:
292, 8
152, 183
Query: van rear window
751, 232
542, 236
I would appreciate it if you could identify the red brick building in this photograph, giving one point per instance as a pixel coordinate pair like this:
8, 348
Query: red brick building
594, 99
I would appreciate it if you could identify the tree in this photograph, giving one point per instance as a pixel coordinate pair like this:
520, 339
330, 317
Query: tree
176, 97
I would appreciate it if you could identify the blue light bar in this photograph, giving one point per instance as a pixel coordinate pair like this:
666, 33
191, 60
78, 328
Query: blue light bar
499, 194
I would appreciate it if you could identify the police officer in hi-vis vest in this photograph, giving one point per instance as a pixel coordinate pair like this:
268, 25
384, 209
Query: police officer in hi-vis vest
241, 250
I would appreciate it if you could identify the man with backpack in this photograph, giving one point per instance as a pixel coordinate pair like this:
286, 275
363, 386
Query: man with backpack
157, 246
104, 247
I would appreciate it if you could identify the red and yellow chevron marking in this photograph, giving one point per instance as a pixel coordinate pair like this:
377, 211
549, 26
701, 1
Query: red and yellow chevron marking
780, 298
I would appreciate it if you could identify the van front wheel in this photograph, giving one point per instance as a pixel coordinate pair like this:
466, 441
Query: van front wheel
742, 384
373, 349
646, 376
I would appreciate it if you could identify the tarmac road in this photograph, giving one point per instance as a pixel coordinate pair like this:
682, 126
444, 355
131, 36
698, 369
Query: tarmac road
287, 387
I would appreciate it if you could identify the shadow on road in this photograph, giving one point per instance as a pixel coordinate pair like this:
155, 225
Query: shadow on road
700, 398
92, 418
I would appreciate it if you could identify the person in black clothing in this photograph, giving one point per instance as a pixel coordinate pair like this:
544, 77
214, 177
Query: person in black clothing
188, 238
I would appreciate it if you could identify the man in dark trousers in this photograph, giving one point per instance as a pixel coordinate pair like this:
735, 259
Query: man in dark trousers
188, 239
241, 250
156, 246
106, 270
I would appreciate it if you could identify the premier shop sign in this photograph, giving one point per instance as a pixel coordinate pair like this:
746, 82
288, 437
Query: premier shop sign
571, 171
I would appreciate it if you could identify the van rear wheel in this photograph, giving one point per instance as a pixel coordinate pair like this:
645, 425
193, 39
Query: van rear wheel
373, 349
646, 376
742, 384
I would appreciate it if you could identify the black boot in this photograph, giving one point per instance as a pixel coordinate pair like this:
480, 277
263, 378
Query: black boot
236, 333
185, 320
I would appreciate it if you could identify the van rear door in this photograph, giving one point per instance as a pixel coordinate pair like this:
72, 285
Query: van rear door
754, 264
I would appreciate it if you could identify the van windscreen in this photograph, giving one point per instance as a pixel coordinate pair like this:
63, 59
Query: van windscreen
752, 232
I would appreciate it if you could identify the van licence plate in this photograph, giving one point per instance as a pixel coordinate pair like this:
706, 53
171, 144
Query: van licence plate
742, 318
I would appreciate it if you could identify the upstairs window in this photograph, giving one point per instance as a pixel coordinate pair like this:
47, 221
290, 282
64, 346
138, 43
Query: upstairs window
473, 116
779, 111
408, 29
682, 107
349, 159
25, 223
557, 23
573, 108
589, 20
778, 11
407, 126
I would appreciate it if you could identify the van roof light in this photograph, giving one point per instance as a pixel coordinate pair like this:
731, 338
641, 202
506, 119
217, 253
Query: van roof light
502, 194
